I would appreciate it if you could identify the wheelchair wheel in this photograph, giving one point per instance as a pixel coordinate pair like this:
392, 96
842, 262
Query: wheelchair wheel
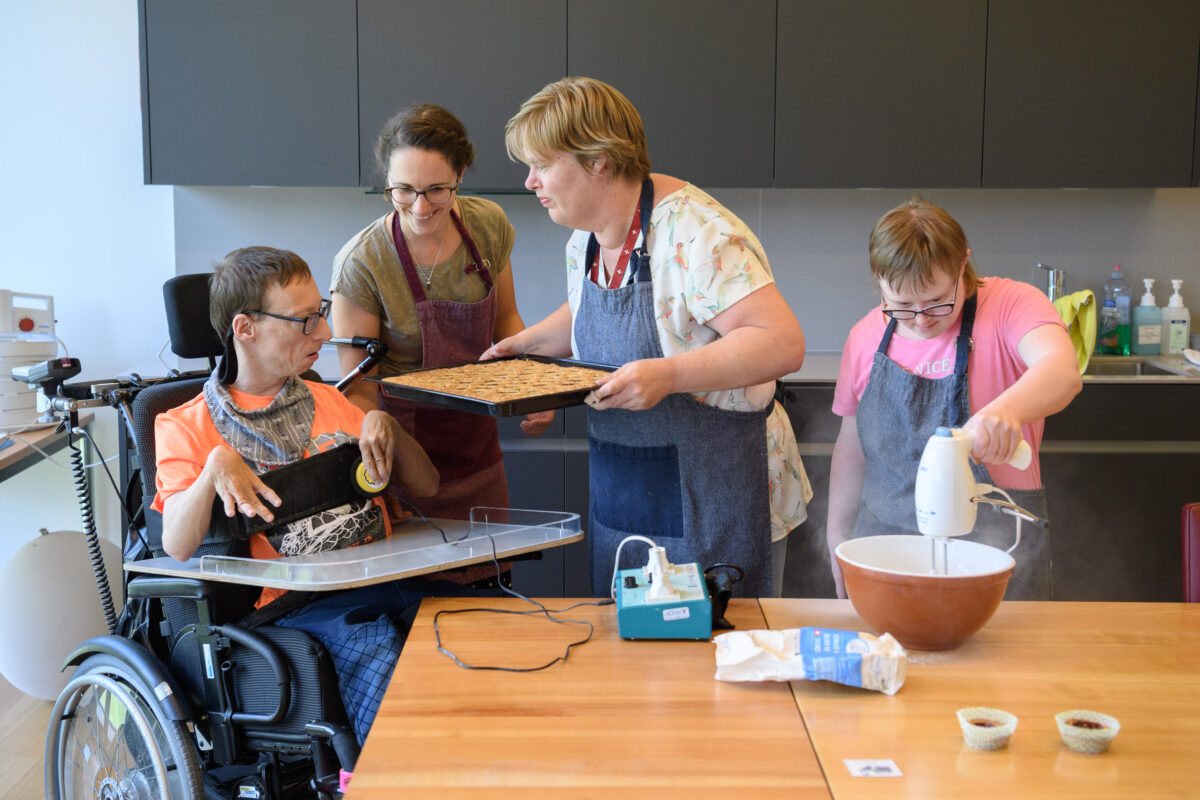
108, 741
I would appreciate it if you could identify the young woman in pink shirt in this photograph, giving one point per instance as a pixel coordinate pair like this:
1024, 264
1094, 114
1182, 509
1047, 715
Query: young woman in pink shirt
945, 348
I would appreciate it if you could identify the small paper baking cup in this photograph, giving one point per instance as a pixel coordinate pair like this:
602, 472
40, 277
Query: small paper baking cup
986, 728
1087, 731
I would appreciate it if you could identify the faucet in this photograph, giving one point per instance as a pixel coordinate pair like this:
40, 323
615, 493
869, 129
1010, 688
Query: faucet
1054, 282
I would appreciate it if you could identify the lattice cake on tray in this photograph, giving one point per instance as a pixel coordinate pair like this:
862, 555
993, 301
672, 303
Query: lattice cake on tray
499, 381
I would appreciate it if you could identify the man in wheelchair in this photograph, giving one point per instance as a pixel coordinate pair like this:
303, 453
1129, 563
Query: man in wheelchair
220, 690
256, 413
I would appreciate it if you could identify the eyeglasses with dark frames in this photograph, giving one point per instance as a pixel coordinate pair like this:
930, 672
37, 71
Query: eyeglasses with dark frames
407, 195
308, 323
936, 310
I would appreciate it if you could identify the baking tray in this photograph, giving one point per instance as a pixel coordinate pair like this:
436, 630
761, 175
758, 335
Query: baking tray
502, 408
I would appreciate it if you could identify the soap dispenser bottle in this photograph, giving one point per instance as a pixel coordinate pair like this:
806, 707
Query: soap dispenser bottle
1177, 322
1147, 323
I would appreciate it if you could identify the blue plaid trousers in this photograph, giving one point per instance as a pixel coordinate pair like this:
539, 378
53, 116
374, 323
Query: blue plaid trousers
364, 630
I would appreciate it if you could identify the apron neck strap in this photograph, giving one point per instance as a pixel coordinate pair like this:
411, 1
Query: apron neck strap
887, 336
410, 272
477, 265
965, 343
638, 257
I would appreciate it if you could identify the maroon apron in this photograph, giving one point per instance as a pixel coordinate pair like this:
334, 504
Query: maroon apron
464, 447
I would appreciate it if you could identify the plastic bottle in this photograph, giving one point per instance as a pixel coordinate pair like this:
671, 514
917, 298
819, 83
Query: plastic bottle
1177, 322
1115, 322
1147, 323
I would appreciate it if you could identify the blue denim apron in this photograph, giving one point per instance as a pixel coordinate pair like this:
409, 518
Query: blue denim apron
690, 476
896, 416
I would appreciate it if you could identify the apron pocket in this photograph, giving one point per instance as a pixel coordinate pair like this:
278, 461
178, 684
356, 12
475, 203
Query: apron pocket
636, 489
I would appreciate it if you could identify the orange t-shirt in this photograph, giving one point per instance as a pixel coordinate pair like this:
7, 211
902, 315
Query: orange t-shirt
185, 435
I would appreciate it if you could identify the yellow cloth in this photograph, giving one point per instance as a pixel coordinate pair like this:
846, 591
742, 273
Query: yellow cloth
1078, 310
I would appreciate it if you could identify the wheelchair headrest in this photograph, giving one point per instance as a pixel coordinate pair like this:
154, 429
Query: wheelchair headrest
186, 300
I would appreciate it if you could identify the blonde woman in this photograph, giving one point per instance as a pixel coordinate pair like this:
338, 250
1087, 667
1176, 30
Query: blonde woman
687, 444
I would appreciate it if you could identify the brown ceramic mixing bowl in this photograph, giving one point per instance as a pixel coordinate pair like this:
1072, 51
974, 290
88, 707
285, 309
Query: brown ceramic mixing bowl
891, 585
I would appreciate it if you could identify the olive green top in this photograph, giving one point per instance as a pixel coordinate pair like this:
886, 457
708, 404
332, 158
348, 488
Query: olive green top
367, 272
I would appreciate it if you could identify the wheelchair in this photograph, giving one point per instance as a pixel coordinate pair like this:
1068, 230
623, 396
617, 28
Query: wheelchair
192, 694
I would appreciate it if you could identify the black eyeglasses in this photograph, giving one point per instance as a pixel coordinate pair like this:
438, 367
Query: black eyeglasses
308, 324
938, 310
406, 195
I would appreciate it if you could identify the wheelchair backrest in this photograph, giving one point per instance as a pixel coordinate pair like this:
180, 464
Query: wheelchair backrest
146, 406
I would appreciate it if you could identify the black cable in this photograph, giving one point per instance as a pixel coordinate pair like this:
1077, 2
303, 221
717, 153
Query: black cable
540, 609
83, 492
112, 481
438, 636
426, 520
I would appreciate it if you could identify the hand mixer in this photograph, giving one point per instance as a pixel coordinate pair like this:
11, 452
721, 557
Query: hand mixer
946, 492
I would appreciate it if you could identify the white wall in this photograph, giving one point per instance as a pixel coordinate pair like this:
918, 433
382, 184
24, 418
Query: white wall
816, 239
76, 221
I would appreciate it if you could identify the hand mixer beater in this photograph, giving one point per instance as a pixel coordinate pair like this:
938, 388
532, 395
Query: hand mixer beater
946, 493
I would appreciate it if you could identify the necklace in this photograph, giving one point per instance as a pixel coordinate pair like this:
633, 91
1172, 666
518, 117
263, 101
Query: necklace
428, 274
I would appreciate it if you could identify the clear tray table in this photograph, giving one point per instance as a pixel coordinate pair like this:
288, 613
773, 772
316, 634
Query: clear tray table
415, 548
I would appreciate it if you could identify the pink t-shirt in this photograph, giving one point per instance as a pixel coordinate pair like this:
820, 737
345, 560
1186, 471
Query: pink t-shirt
1006, 311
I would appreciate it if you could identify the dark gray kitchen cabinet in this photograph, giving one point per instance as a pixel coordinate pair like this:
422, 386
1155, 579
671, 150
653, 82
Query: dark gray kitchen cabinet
1095, 93
1119, 542
880, 94
1118, 464
536, 482
250, 93
755, 94
478, 58
550, 473
701, 74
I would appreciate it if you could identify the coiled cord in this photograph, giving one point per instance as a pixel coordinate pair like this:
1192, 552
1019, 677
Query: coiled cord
83, 492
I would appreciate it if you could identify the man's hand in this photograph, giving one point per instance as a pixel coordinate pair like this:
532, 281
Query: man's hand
377, 442
238, 487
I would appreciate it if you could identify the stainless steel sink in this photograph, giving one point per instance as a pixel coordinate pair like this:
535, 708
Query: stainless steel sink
1134, 367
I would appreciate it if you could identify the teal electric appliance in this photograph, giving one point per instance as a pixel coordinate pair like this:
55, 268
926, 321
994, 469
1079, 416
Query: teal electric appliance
663, 600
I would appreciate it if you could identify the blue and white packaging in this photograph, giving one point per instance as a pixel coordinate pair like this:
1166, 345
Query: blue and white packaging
814, 654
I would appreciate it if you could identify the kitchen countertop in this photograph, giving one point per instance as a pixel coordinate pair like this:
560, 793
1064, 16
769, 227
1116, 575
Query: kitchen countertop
819, 367
822, 367
1160, 369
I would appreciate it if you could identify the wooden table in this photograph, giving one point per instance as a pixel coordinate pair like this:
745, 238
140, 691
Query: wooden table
48, 439
1139, 662
617, 720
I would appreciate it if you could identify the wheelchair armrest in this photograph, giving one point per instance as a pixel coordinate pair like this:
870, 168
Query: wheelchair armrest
269, 653
159, 586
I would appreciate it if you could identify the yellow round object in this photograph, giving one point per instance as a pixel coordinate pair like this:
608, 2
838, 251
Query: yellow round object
364, 482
